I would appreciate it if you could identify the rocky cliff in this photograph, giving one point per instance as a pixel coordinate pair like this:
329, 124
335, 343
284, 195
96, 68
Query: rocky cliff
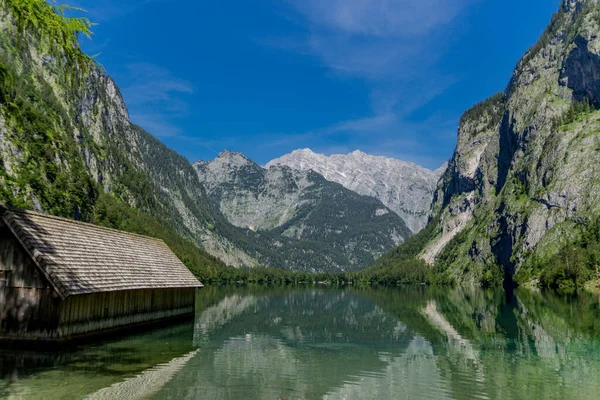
304, 206
524, 181
68, 148
405, 188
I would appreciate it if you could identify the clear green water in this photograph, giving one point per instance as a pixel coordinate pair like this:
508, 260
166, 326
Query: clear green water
325, 343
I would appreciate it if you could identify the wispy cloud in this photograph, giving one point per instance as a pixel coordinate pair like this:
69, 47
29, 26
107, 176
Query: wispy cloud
367, 124
361, 125
156, 98
395, 46
151, 86
378, 39
384, 18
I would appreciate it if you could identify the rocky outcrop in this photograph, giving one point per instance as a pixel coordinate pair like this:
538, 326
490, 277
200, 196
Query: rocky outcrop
255, 198
405, 188
526, 163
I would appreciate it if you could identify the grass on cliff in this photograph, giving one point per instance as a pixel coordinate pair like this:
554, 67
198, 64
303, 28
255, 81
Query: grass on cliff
35, 123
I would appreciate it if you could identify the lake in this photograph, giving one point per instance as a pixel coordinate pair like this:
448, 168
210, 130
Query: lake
310, 343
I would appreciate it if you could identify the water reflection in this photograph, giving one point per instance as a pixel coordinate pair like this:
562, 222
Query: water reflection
292, 345
146, 384
355, 343
72, 374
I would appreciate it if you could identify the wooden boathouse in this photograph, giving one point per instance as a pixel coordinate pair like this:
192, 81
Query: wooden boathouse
61, 279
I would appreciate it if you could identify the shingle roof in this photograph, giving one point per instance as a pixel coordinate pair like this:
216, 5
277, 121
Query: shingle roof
80, 258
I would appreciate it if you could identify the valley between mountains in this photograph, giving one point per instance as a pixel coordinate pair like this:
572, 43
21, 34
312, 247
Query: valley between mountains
69, 148
517, 203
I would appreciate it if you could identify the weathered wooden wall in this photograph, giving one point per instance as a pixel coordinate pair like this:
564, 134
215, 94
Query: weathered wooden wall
41, 314
28, 313
28, 304
94, 312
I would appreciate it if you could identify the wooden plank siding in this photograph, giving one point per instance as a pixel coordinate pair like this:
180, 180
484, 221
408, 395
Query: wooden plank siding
41, 314
27, 313
79, 258
29, 306
94, 312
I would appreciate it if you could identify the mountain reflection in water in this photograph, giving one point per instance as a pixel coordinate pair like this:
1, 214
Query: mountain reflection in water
327, 343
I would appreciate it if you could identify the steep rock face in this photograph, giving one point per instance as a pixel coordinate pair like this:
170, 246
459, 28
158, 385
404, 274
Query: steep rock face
405, 188
66, 137
526, 168
301, 205
252, 197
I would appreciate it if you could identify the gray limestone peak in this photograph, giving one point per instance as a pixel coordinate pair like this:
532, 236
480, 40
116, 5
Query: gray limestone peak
286, 204
232, 159
406, 188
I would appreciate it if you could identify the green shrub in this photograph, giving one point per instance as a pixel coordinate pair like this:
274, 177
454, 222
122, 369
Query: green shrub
492, 108
49, 23
576, 262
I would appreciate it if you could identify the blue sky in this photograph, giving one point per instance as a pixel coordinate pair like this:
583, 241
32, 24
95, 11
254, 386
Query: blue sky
266, 77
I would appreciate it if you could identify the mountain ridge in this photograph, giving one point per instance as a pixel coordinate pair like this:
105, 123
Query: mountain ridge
302, 205
404, 187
